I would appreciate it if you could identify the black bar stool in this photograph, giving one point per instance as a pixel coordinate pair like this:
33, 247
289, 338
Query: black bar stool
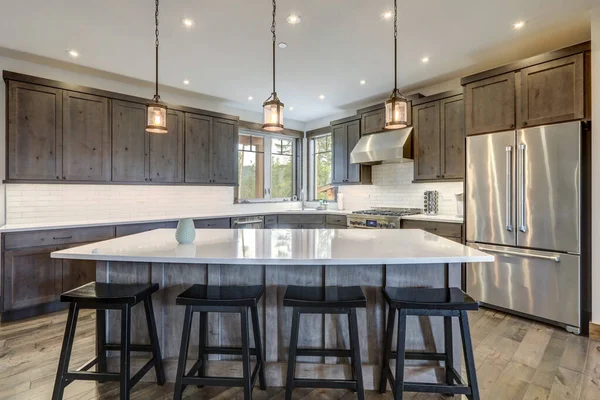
446, 302
223, 299
102, 297
328, 300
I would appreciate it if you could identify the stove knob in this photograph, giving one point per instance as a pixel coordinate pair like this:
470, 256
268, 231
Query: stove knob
392, 225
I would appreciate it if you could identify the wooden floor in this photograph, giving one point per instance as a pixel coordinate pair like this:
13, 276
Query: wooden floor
516, 359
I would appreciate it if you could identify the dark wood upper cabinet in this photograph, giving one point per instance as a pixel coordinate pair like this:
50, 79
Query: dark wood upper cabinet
198, 131
345, 136
224, 142
551, 92
427, 140
167, 151
373, 121
35, 125
129, 144
85, 138
452, 137
490, 104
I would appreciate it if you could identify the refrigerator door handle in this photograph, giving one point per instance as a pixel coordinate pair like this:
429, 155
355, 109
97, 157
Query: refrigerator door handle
516, 253
509, 222
522, 225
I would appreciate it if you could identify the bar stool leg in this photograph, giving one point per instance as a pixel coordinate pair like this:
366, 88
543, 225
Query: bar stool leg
401, 347
355, 351
289, 386
183, 352
125, 351
203, 333
158, 366
449, 350
101, 340
387, 351
259, 348
469, 358
247, 375
65, 353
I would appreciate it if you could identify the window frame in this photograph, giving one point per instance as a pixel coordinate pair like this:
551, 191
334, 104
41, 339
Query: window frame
312, 193
267, 158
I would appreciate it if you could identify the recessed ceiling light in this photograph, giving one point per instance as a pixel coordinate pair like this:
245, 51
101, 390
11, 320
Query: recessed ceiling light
425, 60
188, 22
322, 97
519, 24
387, 15
292, 108
282, 45
293, 19
250, 98
186, 82
73, 53
363, 82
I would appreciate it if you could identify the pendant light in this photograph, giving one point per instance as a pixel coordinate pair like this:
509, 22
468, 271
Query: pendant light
156, 109
273, 107
396, 107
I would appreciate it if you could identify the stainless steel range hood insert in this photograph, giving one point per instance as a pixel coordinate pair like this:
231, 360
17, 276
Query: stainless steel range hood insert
385, 147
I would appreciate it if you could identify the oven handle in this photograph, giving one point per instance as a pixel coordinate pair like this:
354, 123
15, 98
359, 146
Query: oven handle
516, 253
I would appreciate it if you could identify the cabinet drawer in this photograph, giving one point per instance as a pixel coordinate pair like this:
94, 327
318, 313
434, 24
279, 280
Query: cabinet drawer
270, 219
125, 230
301, 219
446, 229
215, 223
336, 220
289, 226
58, 236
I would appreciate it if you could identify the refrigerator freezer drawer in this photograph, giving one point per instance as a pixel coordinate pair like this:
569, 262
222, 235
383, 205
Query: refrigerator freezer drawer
541, 284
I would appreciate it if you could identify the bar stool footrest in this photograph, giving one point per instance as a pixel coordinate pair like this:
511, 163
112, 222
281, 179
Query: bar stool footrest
146, 348
307, 352
92, 376
191, 379
231, 351
423, 387
419, 355
325, 383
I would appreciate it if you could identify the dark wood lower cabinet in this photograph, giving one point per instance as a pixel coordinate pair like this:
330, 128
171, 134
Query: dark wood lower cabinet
77, 273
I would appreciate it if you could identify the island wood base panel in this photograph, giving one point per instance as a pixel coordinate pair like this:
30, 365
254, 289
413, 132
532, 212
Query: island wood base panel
331, 331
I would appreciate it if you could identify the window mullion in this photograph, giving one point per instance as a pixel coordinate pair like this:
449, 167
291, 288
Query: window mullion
267, 157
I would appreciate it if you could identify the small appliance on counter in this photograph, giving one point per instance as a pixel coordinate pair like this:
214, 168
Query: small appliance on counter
430, 202
460, 205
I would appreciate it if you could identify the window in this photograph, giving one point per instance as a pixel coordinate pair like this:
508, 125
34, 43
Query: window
321, 168
266, 167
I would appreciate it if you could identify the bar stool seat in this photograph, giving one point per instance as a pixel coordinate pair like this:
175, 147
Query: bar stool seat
444, 302
325, 300
203, 299
102, 297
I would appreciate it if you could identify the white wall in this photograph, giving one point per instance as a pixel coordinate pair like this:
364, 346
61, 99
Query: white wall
392, 187
595, 17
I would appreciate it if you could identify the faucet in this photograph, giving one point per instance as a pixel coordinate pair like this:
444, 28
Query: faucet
302, 199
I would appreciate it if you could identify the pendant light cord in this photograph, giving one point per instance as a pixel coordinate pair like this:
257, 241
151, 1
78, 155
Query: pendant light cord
274, 40
156, 44
395, 45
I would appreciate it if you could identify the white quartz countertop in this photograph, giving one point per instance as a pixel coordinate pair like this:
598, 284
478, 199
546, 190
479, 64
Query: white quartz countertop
281, 247
436, 218
137, 220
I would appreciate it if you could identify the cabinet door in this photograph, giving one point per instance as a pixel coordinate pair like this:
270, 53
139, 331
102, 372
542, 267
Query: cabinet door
224, 142
552, 92
34, 132
129, 144
198, 131
85, 138
353, 136
427, 140
166, 150
490, 104
77, 273
373, 121
452, 131
340, 153
31, 277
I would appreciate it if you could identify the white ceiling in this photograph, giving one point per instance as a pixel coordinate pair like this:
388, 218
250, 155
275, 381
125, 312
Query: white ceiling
338, 42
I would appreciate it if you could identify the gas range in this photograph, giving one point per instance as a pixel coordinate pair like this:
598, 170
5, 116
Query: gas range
380, 217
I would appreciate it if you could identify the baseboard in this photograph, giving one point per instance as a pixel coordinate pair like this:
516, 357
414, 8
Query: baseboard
594, 331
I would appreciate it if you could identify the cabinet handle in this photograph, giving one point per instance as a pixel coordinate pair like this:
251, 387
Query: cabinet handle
58, 177
524, 123
512, 126
61, 237
64, 177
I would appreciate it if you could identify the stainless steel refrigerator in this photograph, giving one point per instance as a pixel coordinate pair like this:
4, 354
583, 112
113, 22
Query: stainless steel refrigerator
523, 205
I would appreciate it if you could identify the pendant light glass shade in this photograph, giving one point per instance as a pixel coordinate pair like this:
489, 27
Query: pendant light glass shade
157, 117
396, 111
273, 114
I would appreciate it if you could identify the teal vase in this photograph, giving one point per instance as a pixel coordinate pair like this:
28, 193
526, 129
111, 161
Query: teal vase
186, 231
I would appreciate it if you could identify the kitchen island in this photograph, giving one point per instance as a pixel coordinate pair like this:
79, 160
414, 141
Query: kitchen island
277, 258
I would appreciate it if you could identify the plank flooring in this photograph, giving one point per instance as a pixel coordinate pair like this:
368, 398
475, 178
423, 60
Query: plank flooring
516, 359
